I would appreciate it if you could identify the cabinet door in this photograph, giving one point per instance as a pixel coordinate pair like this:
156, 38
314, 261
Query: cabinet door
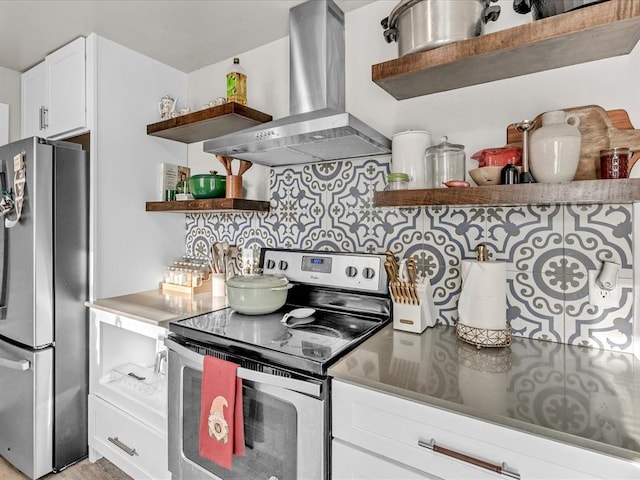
67, 89
34, 101
401, 429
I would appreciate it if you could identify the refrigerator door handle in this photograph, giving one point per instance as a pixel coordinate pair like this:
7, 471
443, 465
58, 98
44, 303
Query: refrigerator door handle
5, 253
21, 365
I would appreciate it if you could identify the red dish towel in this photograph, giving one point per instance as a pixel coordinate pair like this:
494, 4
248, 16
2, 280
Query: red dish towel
221, 417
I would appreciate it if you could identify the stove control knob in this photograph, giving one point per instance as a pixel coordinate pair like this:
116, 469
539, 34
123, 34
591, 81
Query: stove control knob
368, 273
351, 272
283, 265
271, 264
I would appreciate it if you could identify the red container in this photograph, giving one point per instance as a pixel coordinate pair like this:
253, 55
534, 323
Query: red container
614, 163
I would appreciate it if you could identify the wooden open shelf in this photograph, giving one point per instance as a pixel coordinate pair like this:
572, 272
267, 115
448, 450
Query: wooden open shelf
577, 192
208, 205
598, 31
208, 123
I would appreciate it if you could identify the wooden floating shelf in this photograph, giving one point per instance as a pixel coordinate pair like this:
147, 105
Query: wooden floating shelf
208, 205
208, 123
578, 192
592, 33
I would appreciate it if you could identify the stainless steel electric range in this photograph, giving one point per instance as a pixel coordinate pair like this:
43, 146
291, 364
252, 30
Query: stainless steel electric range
284, 368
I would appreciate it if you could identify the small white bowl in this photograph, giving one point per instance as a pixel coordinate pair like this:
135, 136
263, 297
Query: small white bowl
484, 176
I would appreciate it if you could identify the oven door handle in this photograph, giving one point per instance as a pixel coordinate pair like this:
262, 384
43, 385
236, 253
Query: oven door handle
301, 386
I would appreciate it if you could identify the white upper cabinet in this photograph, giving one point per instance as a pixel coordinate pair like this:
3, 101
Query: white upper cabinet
34, 101
54, 94
67, 89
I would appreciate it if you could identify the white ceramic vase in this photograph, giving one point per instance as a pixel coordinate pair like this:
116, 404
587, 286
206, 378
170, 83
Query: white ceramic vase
554, 149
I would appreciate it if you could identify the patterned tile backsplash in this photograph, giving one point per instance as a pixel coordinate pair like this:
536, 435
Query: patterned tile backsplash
548, 249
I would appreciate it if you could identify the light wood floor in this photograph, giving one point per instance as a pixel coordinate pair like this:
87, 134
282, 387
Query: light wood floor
84, 470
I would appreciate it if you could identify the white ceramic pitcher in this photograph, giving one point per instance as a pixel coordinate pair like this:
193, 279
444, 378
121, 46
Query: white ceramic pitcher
554, 149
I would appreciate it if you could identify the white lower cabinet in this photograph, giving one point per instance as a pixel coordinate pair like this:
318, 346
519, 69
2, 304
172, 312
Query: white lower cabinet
396, 432
127, 396
133, 446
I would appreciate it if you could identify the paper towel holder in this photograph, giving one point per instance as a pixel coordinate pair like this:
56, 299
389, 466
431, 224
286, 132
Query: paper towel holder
482, 253
483, 337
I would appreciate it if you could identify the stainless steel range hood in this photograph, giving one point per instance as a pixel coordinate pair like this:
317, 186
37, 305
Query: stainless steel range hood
318, 127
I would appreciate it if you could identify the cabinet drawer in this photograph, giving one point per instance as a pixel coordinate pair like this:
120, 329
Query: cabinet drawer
351, 463
130, 444
393, 426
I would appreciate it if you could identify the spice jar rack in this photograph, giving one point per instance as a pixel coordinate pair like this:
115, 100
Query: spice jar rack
189, 275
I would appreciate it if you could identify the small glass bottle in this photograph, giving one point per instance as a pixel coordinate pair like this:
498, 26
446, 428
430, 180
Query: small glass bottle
509, 175
236, 83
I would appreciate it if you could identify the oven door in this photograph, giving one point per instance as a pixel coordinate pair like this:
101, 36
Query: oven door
285, 427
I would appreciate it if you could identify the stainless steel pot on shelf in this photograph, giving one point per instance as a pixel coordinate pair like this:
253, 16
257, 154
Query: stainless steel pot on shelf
419, 25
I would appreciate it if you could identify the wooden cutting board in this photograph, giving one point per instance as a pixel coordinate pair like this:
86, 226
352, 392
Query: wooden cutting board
600, 130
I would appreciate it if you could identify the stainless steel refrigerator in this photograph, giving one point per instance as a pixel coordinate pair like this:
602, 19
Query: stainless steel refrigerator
43, 320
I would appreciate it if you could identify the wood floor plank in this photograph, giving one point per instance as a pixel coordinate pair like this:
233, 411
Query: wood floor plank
84, 470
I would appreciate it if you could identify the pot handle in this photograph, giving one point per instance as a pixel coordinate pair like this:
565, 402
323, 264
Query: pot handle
522, 6
389, 23
491, 14
572, 119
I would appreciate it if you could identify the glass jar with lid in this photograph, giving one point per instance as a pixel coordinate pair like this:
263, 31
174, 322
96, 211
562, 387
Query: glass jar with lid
445, 161
397, 181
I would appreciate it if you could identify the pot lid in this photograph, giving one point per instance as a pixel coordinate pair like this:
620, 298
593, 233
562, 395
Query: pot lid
209, 175
258, 281
444, 146
410, 132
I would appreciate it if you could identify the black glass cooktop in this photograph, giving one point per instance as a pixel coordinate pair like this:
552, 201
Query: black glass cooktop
310, 346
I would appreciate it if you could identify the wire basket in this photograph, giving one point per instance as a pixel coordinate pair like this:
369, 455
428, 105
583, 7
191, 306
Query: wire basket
484, 337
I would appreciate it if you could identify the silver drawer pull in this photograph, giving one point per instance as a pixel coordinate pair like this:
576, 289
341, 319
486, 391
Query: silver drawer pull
128, 450
502, 469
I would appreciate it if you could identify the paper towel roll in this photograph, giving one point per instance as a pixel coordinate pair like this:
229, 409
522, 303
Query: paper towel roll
483, 301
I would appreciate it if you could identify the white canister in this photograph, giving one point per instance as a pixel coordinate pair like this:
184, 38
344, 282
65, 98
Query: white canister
554, 149
407, 156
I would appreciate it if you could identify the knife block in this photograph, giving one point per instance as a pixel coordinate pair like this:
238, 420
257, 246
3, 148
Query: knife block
415, 318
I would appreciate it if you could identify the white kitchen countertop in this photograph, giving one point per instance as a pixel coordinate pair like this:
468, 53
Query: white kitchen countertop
159, 308
581, 396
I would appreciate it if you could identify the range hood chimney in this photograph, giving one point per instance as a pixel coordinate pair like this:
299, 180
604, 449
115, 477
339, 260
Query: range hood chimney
318, 127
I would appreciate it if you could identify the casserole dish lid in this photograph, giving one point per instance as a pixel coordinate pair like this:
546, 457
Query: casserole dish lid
258, 281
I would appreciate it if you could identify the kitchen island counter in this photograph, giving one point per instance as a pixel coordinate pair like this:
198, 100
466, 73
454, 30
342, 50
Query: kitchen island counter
580, 396
156, 307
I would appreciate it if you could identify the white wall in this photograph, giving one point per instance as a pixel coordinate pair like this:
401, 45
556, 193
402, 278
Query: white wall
131, 246
4, 123
10, 95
